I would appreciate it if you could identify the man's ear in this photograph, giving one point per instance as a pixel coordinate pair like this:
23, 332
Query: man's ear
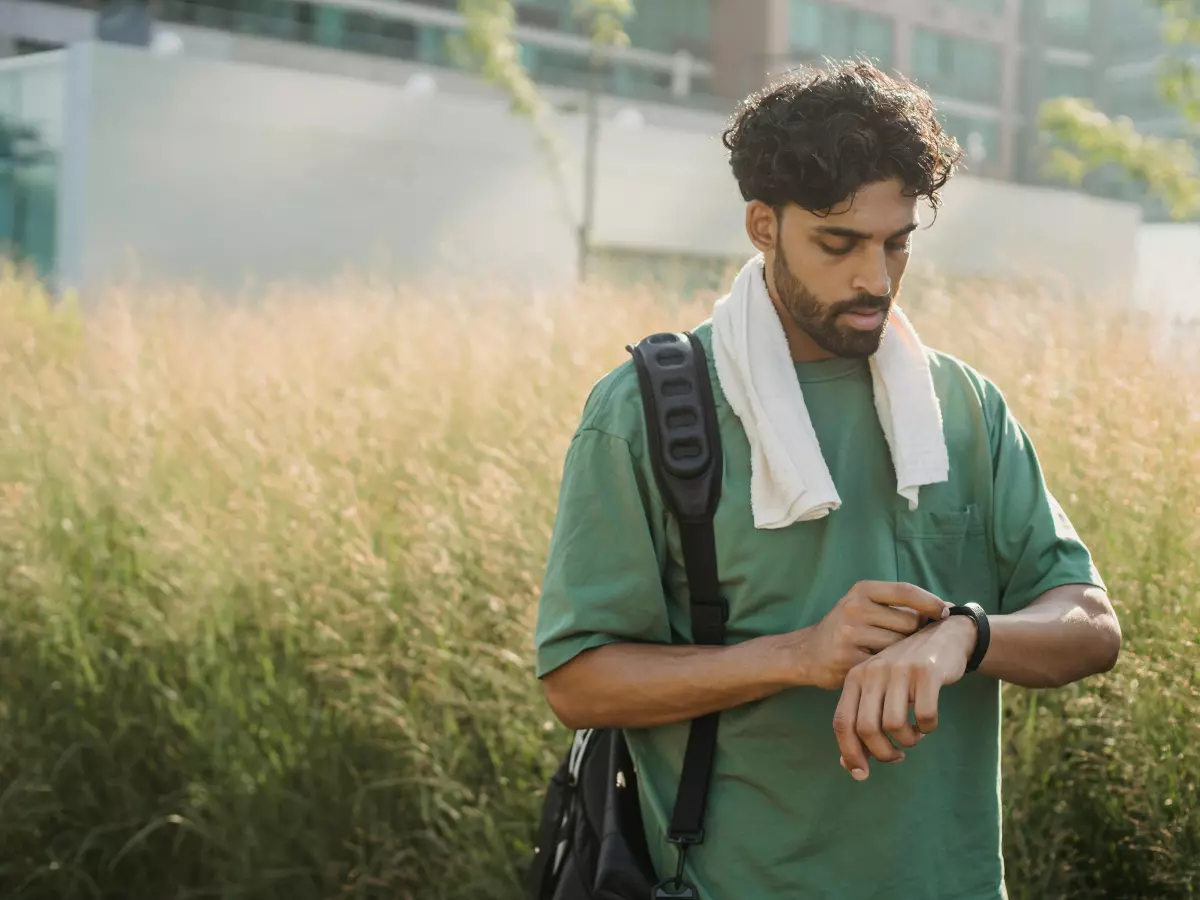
762, 226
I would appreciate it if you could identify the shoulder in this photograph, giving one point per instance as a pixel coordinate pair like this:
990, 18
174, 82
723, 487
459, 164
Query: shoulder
614, 403
951, 373
964, 391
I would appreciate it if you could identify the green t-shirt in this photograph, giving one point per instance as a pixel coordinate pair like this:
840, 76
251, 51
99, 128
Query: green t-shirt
784, 819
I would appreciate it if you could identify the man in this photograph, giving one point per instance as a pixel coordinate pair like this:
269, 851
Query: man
856, 757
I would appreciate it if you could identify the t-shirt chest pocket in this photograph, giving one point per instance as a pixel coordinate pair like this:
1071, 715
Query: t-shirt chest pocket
946, 551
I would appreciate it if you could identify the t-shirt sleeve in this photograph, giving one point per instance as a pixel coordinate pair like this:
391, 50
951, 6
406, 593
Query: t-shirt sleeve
1037, 548
603, 578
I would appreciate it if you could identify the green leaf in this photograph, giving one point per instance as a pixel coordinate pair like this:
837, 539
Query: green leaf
1083, 139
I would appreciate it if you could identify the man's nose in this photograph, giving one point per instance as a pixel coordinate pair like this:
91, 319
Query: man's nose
873, 278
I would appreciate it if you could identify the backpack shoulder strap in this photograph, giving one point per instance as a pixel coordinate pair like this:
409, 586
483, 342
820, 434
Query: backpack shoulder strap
681, 423
685, 450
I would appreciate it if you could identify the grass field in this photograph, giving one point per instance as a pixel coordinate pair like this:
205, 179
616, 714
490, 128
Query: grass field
269, 577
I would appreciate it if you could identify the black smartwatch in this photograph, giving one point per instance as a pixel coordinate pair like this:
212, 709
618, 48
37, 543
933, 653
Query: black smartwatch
983, 631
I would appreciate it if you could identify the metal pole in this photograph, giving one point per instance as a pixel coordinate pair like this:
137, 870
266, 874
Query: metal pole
590, 154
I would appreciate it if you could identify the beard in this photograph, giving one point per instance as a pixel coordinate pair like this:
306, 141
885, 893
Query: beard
820, 320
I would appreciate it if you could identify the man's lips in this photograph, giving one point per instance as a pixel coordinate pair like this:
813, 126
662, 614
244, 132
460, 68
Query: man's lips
865, 320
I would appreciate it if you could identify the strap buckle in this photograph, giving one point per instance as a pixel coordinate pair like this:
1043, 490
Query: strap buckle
676, 888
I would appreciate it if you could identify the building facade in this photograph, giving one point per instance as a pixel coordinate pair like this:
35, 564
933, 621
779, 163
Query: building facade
988, 63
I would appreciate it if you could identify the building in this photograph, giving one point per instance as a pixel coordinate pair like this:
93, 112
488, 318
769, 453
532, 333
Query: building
988, 63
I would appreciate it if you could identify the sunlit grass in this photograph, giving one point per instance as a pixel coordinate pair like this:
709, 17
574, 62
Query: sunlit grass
269, 580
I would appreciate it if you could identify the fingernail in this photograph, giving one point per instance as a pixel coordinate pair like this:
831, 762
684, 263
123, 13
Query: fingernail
859, 774
945, 612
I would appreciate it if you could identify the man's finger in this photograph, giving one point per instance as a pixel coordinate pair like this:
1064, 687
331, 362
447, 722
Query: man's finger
896, 705
854, 756
898, 620
891, 593
868, 637
870, 719
925, 704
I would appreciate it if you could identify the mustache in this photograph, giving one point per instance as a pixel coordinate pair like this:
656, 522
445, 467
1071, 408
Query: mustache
861, 303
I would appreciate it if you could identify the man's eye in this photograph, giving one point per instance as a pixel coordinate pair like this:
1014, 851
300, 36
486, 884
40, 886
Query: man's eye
898, 248
837, 251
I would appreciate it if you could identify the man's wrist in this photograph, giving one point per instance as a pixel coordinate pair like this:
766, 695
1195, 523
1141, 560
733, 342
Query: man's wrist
966, 634
790, 663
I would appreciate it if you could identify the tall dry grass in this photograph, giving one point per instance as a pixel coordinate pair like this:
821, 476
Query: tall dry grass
269, 579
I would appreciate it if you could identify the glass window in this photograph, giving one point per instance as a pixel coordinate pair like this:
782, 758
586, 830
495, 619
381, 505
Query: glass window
1070, 13
270, 18
30, 142
978, 137
805, 22
1068, 23
546, 14
1137, 97
962, 68
1060, 80
329, 26
991, 7
669, 26
818, 29
666, 26
561, 68
873, 36
1136, 30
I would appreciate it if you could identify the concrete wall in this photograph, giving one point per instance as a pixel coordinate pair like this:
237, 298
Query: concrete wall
1067, 240
219, 172
672, 191
1168, 280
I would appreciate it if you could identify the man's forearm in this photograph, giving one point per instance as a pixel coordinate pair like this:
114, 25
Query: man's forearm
1067, 634
648, 685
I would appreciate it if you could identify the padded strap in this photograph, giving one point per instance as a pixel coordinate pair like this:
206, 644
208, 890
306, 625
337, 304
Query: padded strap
684, 443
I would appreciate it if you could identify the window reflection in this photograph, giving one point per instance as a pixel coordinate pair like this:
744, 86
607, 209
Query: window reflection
817, 29
961, 68
28, 181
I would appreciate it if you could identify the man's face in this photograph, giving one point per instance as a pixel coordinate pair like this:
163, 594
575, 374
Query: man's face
833, 277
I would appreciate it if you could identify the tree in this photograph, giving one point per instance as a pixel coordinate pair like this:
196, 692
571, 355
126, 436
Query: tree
1083, 139
488, 45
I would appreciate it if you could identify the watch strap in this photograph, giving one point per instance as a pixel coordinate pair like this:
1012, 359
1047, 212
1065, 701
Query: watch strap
983, 632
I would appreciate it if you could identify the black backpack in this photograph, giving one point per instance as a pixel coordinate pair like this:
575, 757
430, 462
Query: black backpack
591, 843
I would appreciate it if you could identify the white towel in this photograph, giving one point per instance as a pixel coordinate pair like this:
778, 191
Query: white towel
789, 479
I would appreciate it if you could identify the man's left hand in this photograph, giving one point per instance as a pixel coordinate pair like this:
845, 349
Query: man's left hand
879, 693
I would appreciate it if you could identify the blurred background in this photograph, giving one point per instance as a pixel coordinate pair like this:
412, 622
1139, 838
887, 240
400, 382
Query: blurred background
227, 141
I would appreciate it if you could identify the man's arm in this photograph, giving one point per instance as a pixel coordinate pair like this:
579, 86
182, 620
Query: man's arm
631, 685
1065, 635
647, 685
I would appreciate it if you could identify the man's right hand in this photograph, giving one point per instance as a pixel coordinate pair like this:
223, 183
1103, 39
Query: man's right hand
640, 685
872, 616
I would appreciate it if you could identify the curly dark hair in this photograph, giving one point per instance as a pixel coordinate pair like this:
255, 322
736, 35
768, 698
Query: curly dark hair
817, 136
